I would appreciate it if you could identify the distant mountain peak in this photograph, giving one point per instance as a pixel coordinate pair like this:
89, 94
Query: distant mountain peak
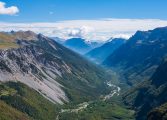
100, 53
80, 45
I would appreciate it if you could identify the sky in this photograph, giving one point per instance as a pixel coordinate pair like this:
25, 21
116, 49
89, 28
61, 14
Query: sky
90, 19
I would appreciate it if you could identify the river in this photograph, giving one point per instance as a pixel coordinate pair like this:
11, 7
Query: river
115, 90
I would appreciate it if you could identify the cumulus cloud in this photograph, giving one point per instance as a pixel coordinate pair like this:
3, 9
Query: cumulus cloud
76, 32
79, 32
100, 29
12, 10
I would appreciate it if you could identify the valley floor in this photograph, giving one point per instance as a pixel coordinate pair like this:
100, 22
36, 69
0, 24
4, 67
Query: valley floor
103, 108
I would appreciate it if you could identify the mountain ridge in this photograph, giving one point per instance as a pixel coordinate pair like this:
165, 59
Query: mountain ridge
150, 93
99, 54
139, 57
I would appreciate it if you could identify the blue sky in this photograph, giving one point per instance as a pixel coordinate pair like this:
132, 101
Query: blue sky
89, 19
58, 10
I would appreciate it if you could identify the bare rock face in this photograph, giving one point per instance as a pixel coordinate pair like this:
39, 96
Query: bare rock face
32, 66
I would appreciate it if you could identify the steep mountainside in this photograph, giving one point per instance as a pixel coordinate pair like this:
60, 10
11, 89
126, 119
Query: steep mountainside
54, 71
138, 58
19, 102
159, 113
99, 54
150, 94
79, 45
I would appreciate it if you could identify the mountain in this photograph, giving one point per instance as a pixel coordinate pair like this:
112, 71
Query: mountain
59, 40
158, 113
99, 54
37, 73
20, 102
79, 45
150, 97
95, 44
139, 57
7, 40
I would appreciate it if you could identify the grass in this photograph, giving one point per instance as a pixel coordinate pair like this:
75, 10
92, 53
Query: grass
100, 110
27, 101
9, 113
7, 45
7, 41
7, 92
6, 37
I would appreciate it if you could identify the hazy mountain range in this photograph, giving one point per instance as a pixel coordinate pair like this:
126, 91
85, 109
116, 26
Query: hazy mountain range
79, 45
99, 54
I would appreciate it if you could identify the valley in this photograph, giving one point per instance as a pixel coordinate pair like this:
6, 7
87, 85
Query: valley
40, 68
42, 79
82, 106
138, 69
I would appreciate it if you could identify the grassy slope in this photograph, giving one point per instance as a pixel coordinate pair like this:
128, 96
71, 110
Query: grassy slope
100, 110
7, 41
159, 113
9, 113
150, 93
27, 101
5, 45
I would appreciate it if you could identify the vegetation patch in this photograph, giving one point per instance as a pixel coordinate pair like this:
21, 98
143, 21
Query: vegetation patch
27, 101
100, 110
7, 45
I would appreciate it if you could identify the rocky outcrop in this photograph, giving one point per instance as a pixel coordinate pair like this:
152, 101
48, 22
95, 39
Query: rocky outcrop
29, 65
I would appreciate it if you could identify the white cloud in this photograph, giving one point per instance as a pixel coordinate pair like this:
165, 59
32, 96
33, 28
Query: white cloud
79, 32
100, 29
8, 10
